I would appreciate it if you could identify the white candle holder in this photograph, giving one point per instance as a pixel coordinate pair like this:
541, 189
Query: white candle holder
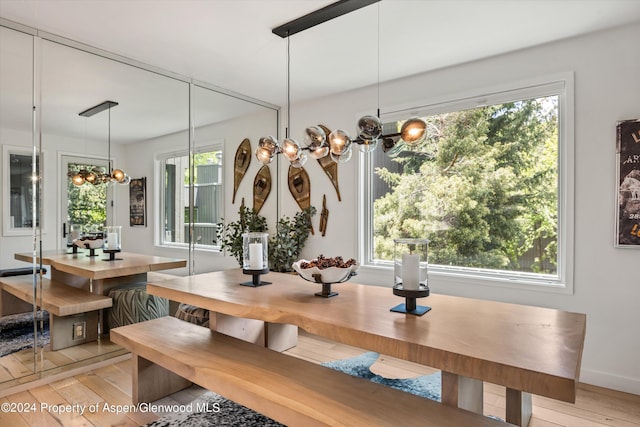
410, 265
112, 242
255, 257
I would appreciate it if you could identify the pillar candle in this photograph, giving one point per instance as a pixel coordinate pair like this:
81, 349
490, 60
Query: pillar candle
112, 241
255, 256
411, 271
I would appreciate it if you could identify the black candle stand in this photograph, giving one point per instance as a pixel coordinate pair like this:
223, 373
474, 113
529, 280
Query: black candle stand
74, 249
112, 254
255, 282
409, 306
92, 251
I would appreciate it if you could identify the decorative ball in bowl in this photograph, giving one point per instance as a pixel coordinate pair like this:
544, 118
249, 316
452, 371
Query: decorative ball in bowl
331, 270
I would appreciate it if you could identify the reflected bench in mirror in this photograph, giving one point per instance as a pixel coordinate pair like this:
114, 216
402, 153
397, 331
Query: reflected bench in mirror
21, 271
73, 312
16, 306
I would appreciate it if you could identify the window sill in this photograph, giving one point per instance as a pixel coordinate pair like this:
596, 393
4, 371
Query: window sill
185, 247
382, 275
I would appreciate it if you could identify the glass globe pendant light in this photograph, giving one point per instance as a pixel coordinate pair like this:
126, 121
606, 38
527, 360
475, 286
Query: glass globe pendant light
300, 160
290, 149
340, 146
91, 177
369, 131
413, 131
267, 149
315, 140
78, 179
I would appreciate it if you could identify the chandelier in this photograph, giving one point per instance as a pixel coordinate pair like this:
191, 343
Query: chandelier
99, 175
338, 144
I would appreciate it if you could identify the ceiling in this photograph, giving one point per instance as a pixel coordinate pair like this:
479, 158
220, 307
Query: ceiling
228, 43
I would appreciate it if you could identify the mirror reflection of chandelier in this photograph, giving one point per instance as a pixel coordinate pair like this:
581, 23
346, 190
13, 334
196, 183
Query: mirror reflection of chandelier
337, 144
98, 175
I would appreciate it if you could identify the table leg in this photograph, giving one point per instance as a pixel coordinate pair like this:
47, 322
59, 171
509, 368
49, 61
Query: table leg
519, 407
276, 336
84, 327
462, 392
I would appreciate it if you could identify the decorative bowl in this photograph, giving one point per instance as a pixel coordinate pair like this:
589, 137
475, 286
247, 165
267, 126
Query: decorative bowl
89, 243
328, 275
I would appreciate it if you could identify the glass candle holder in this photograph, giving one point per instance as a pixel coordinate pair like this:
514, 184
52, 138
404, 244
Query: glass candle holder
255, 251
75, 232
411, 263
113, 238
255, 257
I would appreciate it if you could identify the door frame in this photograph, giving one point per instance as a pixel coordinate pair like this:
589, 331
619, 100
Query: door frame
64, 158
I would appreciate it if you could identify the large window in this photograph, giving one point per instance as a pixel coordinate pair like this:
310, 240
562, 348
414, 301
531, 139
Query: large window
484, 187
176, 216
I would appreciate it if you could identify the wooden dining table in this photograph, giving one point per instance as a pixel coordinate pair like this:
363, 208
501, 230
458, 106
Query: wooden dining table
528, 350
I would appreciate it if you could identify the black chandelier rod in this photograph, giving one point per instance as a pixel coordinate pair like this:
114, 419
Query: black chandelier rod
319, 16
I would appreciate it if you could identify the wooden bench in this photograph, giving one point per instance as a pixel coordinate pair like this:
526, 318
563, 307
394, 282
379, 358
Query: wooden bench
169, 354
73, 315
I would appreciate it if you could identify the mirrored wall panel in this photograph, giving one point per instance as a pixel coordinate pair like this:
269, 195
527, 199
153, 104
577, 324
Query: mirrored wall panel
17, 139
134, 162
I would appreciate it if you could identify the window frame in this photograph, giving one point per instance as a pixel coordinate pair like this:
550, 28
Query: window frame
7, 228
160, 159
562, 85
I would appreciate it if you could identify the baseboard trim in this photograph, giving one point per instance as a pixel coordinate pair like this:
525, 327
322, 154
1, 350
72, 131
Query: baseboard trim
610, 381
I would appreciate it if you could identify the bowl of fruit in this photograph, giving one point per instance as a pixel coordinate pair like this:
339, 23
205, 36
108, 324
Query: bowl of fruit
89, 242
326, 270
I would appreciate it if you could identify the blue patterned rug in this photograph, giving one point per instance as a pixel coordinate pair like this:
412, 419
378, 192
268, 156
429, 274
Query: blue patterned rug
424, 386
233, 415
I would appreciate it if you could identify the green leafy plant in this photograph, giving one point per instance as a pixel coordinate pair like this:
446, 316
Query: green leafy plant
230, 235
290, 237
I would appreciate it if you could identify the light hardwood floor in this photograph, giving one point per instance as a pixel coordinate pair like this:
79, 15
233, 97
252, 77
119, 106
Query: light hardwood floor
17, 368
111, 385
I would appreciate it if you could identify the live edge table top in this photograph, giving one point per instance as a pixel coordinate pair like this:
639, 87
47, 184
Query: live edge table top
97, 268
531, 349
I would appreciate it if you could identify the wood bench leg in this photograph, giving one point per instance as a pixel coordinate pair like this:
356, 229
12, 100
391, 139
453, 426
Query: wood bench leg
12, 305
519, 407
68, 331
152, 382
462, 392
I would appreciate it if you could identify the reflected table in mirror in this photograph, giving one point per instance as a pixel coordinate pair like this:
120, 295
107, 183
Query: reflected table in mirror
76, 279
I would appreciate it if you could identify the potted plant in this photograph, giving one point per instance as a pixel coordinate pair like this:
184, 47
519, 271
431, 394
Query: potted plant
290, 237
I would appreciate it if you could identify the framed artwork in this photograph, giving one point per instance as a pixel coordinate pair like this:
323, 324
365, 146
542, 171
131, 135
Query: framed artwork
138, 202
628, 182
